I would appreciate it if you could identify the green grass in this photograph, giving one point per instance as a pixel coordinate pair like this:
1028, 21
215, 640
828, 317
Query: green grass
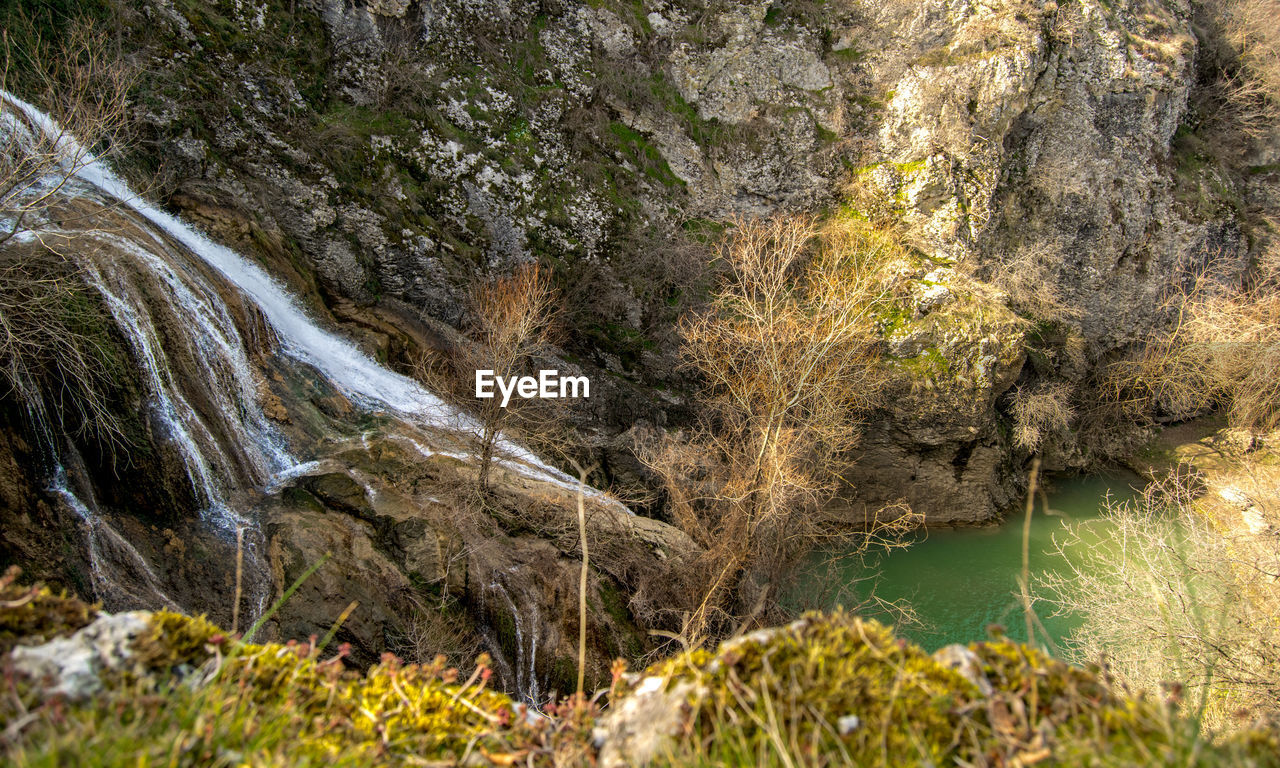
644, 155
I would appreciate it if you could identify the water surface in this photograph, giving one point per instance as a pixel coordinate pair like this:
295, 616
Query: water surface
960, 580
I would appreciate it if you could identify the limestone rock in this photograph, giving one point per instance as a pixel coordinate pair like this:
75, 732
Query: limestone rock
644, 724
70, 666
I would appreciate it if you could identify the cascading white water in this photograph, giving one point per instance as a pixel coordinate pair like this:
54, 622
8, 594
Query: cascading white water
527, 627
194, 440
146, 286
102, 536
221, 358
351, 371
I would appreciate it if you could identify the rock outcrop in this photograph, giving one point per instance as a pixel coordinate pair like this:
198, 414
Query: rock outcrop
1037, 147
270, 472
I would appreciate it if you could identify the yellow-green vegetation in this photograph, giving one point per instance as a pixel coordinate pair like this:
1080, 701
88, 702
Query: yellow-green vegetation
786, 692
824, 690
196, 696
837, 690
34, 614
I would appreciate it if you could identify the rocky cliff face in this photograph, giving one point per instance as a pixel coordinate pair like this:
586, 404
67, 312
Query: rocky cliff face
1046, 163
1035, 147
251, 449
1041, 137
383, 153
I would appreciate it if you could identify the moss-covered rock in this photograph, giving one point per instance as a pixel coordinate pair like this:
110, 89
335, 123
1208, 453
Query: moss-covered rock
839, 690
34, 614
823, 690
194, 695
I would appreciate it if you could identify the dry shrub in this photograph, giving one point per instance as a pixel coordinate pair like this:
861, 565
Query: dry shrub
1166, 599
510, 320
1033, 289
83, 86
1252, 28
1039, 412
787, 353
57, 354
1224, 350
406, 81
433, 630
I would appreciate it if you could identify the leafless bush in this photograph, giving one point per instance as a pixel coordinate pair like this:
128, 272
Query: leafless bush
1166, 598
84, 88
510, 320
1254, 91
1224, 350
406, 82
56, 355
1032, 287
431, 631
787, 352
1039, 412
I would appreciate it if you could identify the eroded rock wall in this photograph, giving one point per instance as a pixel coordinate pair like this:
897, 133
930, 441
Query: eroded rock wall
385, 153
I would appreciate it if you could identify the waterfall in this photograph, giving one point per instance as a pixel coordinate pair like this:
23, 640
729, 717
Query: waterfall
352, 372
527, 625
220, 358
109, 588
235, 447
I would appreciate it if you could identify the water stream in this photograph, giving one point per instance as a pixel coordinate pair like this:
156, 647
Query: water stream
960, 580
338, 359
166, 287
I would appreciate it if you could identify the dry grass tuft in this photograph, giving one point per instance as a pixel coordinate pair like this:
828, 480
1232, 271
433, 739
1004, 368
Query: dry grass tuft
1172, 596
1253, 28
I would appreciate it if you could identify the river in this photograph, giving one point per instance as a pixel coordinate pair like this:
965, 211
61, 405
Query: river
960, 580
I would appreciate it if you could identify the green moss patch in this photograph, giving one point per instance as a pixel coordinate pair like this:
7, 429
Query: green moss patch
198, 697
837, 690
825, 690
34, 614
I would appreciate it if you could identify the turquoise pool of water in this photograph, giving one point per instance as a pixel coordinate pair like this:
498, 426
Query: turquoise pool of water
960, 580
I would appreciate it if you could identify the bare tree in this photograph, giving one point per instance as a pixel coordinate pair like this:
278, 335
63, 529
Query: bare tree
788, 354
84, 88
1167, 597
54, 354
511, 321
